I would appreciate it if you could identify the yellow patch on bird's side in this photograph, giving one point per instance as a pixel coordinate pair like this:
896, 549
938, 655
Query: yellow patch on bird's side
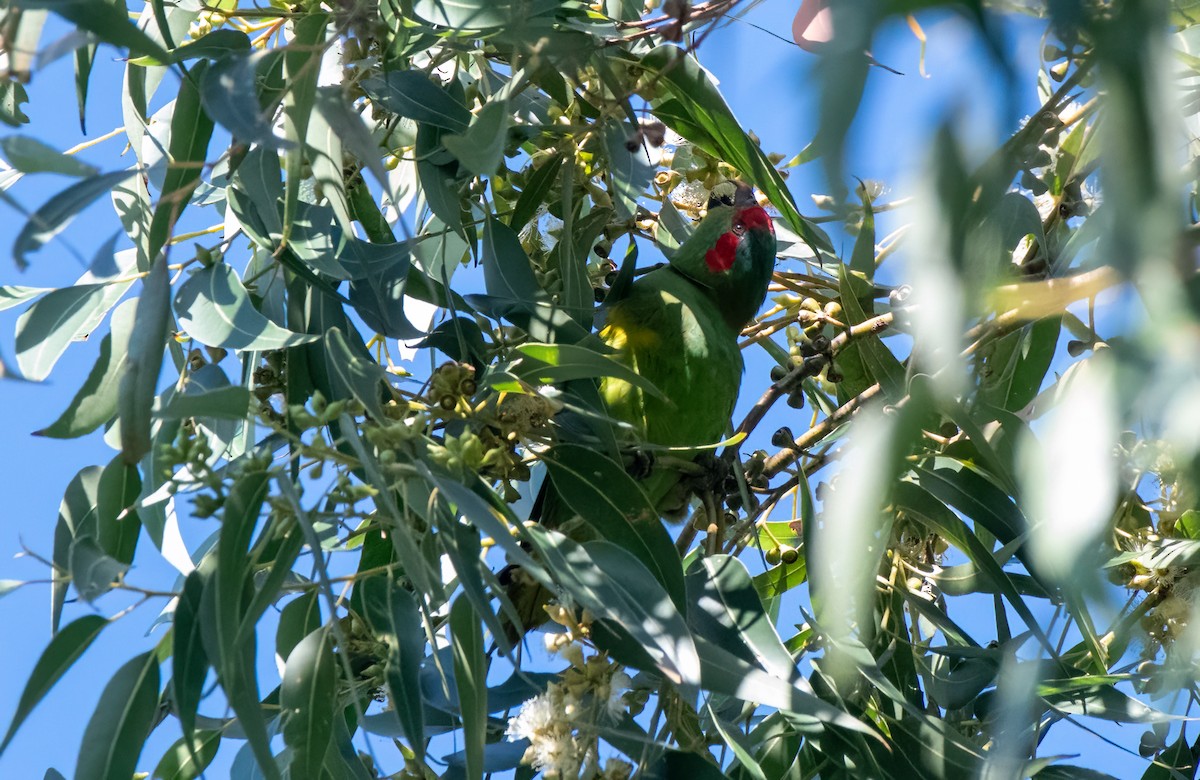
625, 335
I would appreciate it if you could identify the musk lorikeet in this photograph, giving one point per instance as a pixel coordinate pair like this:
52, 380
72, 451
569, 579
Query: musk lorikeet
678, 327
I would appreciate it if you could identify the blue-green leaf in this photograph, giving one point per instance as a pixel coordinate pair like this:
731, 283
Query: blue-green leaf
30, 155
139, 383
214, 309
413, 94
309, 702
470, 677
55, 214
121, 722
65, 647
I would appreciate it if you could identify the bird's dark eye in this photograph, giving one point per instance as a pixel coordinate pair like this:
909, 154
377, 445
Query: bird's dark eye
739, 227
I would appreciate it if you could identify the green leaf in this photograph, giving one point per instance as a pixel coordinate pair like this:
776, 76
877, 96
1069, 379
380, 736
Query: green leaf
8, 586
222, 608
54, 215
725, 609
139, 383
117, 529
506, 269
214, 309
479, 14
954, 683
1188, 524
76, 519
630, 170
380, 279
298, 619
413, 94
30, 155
184, 761
14, 295
92, 570
108, 22
353, 376
65, 647
229, 97
52, 322
121, 722
223, 403
392, 613
308, 701
213, 44
131, 201
189, 662
736, 741
95, 402
12, 95
613, 584
301, 66
571, 254
481, 147
191, 130
696, 110
602, 493
880, 364
976, 498
470, 677
350, 128
723, 672
538, 184
551, 364
1017, 363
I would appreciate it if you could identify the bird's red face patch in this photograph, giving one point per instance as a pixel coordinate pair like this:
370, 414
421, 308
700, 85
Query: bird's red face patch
754, 218
720, 258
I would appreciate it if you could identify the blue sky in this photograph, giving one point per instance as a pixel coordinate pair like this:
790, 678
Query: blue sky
771, 86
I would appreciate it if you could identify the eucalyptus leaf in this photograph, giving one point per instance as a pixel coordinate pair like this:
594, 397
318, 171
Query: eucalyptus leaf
56, 214
214, 309
121, 722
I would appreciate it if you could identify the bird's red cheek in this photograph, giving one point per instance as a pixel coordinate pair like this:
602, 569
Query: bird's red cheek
720, 258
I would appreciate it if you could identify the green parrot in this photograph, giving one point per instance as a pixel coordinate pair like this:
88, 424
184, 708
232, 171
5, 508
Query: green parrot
678, 327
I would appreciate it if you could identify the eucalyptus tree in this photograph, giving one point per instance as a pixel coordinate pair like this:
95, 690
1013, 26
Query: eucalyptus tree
900, 561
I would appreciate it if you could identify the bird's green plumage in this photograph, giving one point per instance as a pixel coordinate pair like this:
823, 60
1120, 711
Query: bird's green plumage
678, 327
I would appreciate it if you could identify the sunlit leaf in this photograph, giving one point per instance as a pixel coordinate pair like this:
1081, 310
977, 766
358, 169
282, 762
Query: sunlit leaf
214, 309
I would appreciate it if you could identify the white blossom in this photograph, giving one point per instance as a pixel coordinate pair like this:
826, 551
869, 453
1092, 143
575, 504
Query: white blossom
614, 707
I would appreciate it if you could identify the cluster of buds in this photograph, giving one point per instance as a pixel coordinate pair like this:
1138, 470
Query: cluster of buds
523, 416
451, 385
323, 411
207, 21
470, 453
366, 656
191, 449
